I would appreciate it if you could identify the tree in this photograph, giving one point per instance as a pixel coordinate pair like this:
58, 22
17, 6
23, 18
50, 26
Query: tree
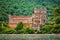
5, 24
3, 12
19, 26
57, 19
56, 28
57, 15
56, 11
3, 18
19, 7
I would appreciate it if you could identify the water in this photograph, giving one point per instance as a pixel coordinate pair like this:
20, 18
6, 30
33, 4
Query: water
29, 36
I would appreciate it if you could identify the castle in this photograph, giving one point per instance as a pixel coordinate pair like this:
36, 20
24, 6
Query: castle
37, 19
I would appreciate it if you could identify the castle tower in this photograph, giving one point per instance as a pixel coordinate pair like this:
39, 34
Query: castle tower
43, 16
39, 17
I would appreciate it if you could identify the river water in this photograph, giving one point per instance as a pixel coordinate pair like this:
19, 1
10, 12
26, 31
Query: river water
29, 36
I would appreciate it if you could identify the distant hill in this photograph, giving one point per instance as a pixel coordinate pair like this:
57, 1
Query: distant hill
26, 7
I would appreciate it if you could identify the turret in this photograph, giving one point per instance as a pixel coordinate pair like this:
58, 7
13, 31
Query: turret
36, 10
43, 10
39, 17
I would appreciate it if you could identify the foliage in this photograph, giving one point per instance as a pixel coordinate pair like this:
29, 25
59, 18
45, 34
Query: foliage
57, 19
5, 24
25, 8
47, 29
56, 11
6, 30
19, 26
1, 29
9, 31
54, 26
26, 31
30, 31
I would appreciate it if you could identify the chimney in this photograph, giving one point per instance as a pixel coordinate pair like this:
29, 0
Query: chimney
10, 14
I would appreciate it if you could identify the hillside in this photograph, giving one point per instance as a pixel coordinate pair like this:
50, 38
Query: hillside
26, 7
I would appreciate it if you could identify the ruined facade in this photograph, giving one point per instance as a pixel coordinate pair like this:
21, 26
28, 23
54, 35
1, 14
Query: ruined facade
37, 19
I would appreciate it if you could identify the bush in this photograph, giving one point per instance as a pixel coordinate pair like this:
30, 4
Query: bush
2, 28
19, 26
8, 31
26, 31
56, 28
46, 29
5, 24
56, 11
57, 19
30, 31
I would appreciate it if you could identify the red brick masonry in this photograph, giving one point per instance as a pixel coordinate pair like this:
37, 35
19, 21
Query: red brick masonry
38, 18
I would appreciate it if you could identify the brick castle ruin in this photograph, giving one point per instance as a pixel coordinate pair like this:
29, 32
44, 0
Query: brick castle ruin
37, 19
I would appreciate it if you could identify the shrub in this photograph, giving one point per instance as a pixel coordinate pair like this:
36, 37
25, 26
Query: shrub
19, 26
8, 31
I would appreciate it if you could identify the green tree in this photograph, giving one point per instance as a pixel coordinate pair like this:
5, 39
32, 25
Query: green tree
3, 18
3, 12
5, 24
19, 26
57, 20
56, 11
